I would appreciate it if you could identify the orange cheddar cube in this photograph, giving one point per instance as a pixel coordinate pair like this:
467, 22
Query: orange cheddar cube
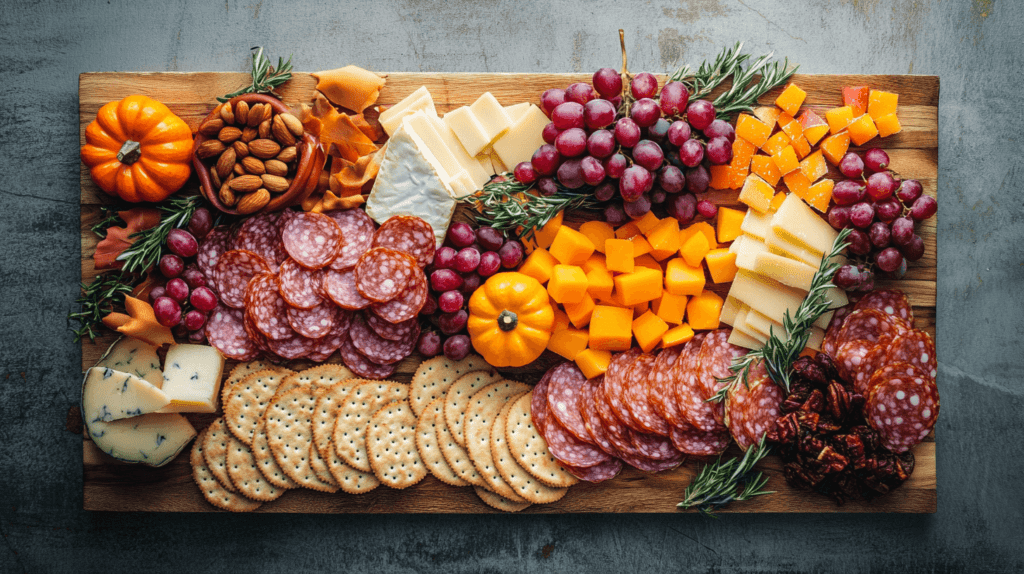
791, 99
888, 125
568, 342
611, 328
737, 175
702, 311
862, 130
579, 313
539, 265
776, 143
769, 115
742, 151
640, 245
664, 238
777, 201
682, 278
834, 147
785, 160
677, 336
757, 193
820, 194
648, 329
643, 284
646, 223
561, 319
628, 230
593, 363
765, 168
802, 147
699, 227
721, 176
568, 284
839, 118
597, 232
671, 308
641, 308
752, 129
619, 255
721, 265
797, 183
728, 224
546, 234
790, 126
814, 127
857, 98
646, 260
882, 103
694, 249
595, 261
814, 166
570, 247
600, 283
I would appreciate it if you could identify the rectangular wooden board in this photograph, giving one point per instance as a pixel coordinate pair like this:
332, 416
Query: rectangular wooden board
113, 486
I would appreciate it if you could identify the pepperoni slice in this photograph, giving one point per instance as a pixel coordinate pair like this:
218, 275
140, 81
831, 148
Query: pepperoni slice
226, 332
300, 287
269, 310
902, 406
750, 412
651, 465
889, 301
313, 323
261, 235
829, 346
707, 417
357, 236
852, 358
916, 348
564, 390
382, 273
872, 361
568, 449
254, 334
311, 239
539, 402
690, 440
340, 286
408, 304
360, 365
871, 325
599, 472
717, 355
684, 366
391, 331
215, 244
661, 387
615, 385
638, 398
591, 420
618, 434
328, 344
376, 348
654, 447
294, 347
234, 270
408, 234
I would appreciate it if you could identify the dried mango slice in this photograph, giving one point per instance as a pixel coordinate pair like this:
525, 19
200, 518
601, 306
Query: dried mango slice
350, 87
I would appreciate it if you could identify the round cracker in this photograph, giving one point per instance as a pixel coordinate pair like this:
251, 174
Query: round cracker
523, 483
290, 435
435, 376
212, 489
530, 450
265, 461
243, 370
498, 502
427, 444
458, 396
349, 479
484, 408
245, 473
454, 454
215, 452
391, 443
356, 409
247, 399
317, 462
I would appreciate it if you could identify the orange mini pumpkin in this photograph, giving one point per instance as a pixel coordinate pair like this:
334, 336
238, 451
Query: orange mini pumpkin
510, 319
138, 150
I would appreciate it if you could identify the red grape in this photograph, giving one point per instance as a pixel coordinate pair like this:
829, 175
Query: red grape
707, 209
490, 262
615, 166
889, 259
721, 129
634, 182
570, 174
887, 210
511, 254
903, 231
524, 173
445, 280
457, 347
197, 337
549, 133
182, 243
860, 243
571, 143
913, 250
614, 215
598, 114
601, 144
156, 293
444, 258
203, 298
658, 131
194, 320
430, 306
450, 301
429, 344
839, 216
848, 192
605, 191
167, 311
879, 235
551, 99
489, 238
580, 92
451, 323
854, 278
881, 185
627, 133
643, 85
719, 151
673, 98
545, 160
691, 153
593, 170
470, 283
851, 165
648, 154
862, 214
658, 196
645, 112
671, 179
683, 207
467, 260
697, 179
909, 191
876, 160
547, 186
177, 289
924, 208
568, 115
607, 82
700, 114
678, 132
171, 265
639, 208
616, 101
193, 276
461, 234
200, 223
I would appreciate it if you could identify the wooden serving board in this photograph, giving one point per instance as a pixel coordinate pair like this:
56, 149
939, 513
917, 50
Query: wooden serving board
114, 486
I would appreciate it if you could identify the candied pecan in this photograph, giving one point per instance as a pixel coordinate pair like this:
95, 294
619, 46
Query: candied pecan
834, 462
815, 402
838, 401
807, 420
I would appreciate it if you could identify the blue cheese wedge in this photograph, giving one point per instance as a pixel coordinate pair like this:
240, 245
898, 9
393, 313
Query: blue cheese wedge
192, 376
133, 356
153, 439
109, 395
408, 184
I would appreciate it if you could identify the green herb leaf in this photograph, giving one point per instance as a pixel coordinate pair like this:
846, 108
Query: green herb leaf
506, 206
264, 76
720, 483
146, 251
97, 299
108, 218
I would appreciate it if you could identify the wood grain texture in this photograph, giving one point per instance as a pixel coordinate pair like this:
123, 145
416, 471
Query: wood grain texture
113, 486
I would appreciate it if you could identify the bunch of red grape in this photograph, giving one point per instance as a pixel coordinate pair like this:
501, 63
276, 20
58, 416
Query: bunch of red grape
655, 152
184, 301
882, 210
467, 258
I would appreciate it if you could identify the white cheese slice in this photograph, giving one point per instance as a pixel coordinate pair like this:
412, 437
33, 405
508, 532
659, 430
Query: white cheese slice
153, 439
192, 375
783, 245
420, 100
498, 165
130, 355
799, 222
408, 184
442, 158
485, 163
730, 308
766, 296
747, 248
760, 323
474, 168
468, 129
491, 116
462, 186
824, 320
756, 223
516, 112
784, 270
109, 395
523, 138
741, 339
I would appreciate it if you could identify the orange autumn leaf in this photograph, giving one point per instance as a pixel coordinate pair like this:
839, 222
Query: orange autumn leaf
119, 239
140, 323
350, 87
140, 218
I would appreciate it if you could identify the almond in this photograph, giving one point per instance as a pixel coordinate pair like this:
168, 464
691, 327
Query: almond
249, 134
245, 183
241, 112
229, 134
227, 114
226, 196
264, 129
225, 163
241, 150
253, 165
264, 148
211, 127
253, 202
214, 178
255, 115
293, 124
268, 112
209, 148
276, 167
288, 154
281, 132
274, 183
238, 169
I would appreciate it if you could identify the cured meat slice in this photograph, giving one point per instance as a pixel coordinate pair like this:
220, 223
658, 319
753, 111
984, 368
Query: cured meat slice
300, 287
684, 366
564, 389
313, 323
661, 385
376, 348
650, 465
599, 472
751, 412
340, 286
391, 331
693, 441
716, 356
357, 236
327, 345
916, 348
852, 358
408, 304
591, 420
638, 398
225, 332
615, 385
216, 243
828, 346
360, 365
383, 273
294, 347
890, 302
254, 334
261, 235
569, 450
539, 403
707, 417
234, 270
653, 446
873, 360
871, 325
618, 434
902, 407
269, 310
408, 234
311, 239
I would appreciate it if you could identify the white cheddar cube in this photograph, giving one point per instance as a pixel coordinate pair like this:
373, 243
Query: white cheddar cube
516, 112
491, 116
523, 139
109, 395
192, 376
420, 100
799, 222
130, 355
468, 129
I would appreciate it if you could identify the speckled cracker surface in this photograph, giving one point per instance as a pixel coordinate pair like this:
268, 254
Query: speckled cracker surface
523, 483
247, 398
427, 443
245, 473
391, 444
265, 461
356, 409
215, 452
498, 502
213, 491
290, 435
484, 408
458, 396
530, 450
434, 376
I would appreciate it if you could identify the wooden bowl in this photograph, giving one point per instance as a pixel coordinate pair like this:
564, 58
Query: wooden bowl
311, 160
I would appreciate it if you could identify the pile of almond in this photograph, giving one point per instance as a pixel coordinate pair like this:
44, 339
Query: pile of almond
251, 153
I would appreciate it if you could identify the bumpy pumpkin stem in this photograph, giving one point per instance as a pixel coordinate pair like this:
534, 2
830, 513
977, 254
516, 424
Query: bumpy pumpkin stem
129, 153
507, 320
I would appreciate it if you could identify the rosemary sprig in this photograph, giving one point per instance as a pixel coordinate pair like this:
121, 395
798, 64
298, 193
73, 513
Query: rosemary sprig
507, 206
778, 355
264, 76
739, 100
98, 299
108, 217
145, 252
720, 483
709, 76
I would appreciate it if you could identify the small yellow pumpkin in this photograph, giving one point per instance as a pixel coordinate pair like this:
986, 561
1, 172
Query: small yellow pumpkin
510, 319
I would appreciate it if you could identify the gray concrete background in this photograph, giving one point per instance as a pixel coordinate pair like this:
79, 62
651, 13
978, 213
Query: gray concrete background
975, 46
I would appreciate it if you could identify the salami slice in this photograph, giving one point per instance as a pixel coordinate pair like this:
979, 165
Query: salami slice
408, 234
357, 236
618, 434
684, 366
408, 304
313, 323
340, 286
751, 412
391, 331
382, 273
376, 348
828, 346
254, 334
707, 417
360, 365
615, 385
591, 420
889, 301
539, 403
225, 332
716, 357
693, 441
873, 360
327, 345
568, 449
599, 472
300, 287
215, 244
311, 239
903, 408
564, 390
269, 310
871, 325
651, 465
294, 347
234, 270
661, 387
638, 398
653, 446
852, 358
916, 348
261, 235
